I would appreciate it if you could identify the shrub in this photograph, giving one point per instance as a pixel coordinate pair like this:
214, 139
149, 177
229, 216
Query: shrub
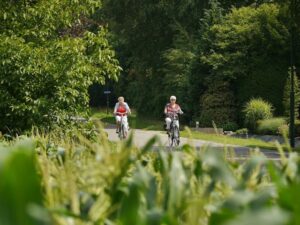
255, 110
217, 104
272, 126
242, 131
230, 126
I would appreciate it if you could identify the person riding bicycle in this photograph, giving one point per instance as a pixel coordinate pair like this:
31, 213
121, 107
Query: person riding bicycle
121, 109
172, 109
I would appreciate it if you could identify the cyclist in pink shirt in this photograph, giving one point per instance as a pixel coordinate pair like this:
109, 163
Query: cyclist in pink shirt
172, 109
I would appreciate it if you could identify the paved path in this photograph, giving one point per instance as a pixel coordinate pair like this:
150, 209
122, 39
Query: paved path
141, 137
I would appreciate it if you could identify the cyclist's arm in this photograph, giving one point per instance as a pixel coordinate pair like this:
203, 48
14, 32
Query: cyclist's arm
166, 110
115, 109
180, 111
127, 108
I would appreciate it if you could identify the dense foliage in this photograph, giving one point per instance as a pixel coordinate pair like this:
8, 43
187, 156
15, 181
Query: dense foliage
89, 183
216, 56
185, 48
51, 52
218, 105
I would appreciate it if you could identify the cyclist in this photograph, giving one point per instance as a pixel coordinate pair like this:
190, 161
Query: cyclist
172, 109
121, 108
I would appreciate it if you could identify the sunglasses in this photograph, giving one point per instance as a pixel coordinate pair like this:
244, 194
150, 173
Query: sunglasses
173, 99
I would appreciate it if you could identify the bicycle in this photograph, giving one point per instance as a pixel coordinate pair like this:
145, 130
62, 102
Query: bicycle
173, 134
123, 130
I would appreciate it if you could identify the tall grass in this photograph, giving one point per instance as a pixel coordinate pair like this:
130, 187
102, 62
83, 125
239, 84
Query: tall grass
87, 182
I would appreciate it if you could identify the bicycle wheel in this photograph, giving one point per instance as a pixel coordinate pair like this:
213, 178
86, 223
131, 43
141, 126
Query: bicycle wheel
170, 138
124, 131
175, 136
121, 132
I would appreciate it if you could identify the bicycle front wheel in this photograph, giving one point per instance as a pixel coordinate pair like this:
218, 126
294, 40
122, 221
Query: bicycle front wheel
122, 132
175, 136
170, 140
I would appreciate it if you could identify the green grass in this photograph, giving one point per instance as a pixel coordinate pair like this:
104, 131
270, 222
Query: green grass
250, 142
135, 121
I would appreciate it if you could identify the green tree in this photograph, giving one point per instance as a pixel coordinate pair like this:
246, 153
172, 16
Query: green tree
49, 58
177, 66
239, 38
155, 52
178, 47
199, 75
250, 48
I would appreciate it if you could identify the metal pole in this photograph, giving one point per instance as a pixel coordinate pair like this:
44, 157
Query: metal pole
292, 113
292, 93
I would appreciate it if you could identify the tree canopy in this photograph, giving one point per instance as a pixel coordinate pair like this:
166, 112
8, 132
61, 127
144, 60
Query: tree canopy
51, 52
188, 48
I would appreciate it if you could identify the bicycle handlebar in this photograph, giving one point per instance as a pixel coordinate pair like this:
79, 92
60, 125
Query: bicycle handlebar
120, 114
173, 114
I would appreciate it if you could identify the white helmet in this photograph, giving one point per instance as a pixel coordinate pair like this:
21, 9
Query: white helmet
173, 97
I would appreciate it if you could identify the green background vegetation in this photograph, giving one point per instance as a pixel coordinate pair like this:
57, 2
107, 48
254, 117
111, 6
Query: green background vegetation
58, 179
215, 60
215, 56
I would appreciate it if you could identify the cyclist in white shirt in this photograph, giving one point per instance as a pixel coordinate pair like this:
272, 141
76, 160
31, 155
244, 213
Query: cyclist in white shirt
121, 109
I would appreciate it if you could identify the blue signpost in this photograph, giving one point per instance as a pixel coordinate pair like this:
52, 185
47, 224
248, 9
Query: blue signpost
107, 92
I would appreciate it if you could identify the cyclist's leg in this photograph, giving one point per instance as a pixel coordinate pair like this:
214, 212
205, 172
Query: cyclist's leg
118, 121
178, 132
168, 122
177, 124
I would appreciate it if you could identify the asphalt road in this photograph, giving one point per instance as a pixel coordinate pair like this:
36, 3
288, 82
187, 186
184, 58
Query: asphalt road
141, 137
